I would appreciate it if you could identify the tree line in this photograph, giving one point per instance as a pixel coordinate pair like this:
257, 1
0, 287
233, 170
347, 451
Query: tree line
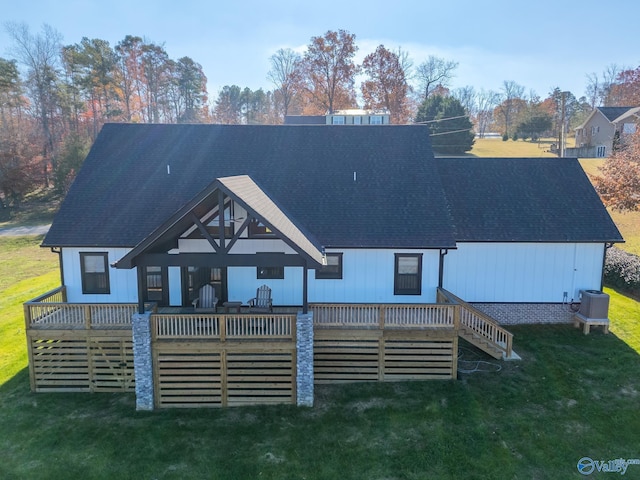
54, 98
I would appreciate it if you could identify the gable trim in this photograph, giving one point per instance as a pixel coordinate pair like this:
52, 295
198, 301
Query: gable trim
247, 194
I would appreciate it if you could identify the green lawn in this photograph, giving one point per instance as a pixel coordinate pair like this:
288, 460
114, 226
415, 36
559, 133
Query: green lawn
571, 396
495, 147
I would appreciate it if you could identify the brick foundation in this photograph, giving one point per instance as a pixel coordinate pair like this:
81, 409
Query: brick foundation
527, 313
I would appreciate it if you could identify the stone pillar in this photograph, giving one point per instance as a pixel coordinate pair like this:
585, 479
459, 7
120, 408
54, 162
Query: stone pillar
143, 360
304, 361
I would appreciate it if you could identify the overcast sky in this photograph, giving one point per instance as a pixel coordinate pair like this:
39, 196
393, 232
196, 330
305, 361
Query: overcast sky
540, 45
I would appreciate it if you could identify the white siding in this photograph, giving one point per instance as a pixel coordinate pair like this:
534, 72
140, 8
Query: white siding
242, 283
368, 275
522, 272
122, 283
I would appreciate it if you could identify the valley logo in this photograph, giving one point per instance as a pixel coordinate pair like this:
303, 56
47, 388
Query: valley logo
586, 465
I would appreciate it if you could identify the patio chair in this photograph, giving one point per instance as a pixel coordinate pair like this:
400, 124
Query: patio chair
207, 299
262, 300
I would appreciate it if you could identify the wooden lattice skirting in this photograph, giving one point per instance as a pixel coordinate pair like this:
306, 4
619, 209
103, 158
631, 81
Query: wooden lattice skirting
80, 360
357, 355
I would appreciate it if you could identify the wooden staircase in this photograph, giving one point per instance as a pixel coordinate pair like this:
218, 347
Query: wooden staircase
480, 329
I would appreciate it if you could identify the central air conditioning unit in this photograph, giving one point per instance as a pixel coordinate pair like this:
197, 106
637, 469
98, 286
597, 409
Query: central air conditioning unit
594, 305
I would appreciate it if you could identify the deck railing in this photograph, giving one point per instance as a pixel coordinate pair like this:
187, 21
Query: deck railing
480, 323
383, 315
51, 310
223, 326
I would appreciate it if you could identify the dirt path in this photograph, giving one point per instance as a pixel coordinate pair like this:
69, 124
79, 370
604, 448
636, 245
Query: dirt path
19, 231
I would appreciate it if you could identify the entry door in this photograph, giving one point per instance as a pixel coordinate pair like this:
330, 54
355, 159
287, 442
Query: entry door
156, 285
195, 277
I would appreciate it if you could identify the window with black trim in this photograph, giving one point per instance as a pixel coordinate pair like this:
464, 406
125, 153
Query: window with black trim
94, 270
266, 273
333, 268
408, 274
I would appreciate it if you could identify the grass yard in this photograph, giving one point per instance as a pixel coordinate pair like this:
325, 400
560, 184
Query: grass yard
571, 396
495, 147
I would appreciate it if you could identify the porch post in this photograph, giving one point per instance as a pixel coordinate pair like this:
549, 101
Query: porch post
142, 360
140, 272
304, 359
305, 288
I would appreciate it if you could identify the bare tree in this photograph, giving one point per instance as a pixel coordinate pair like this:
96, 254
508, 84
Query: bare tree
434, 72
599, 87
285, 75
40, 54
486, 102
467, 97
512, 93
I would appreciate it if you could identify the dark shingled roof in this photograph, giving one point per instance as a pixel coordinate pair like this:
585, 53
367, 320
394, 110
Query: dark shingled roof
613, 112
373, 186
370, 186
524, 200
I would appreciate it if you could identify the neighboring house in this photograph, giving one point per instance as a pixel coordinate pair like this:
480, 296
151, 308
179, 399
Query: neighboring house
339, 222
342, 117
597, 135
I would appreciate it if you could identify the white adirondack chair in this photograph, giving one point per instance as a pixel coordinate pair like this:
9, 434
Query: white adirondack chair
262, 300
206, 298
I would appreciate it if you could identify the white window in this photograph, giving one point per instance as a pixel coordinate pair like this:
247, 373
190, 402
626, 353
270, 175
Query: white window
338, 120
375, 119
357, 120
601, 151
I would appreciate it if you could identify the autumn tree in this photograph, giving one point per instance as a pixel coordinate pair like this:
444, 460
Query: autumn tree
451, 129
328, 71
19, 149
285, 75
619, 184
434, 72
625, 92
386, 87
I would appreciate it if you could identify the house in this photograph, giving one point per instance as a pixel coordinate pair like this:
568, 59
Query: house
342, 117
365, 239
602, 128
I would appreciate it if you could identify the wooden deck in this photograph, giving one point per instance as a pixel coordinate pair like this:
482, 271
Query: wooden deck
213, 358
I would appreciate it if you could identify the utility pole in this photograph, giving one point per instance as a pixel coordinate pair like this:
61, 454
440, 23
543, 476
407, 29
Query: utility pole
562, 132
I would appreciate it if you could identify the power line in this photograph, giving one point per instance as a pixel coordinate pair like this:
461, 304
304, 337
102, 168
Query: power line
440, 120
447, 133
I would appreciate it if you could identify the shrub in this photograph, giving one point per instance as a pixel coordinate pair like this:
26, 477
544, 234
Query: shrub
505, 137
622, 270
515, 137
